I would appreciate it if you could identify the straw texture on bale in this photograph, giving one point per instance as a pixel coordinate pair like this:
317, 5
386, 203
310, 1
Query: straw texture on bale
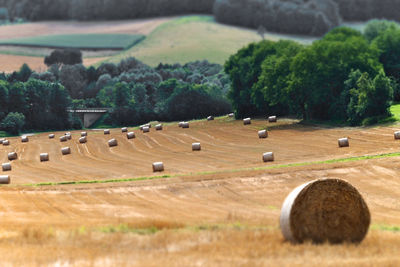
230, 115
130, 135
185, 125
83, 134
397, 135
112, 142
196, 147
24, 139
51, 136
210, 118
146, 129
263, 134
269, 156
83, 140
158, 167
247, 121
159, 127
63, 138
12, 156
272, 119
65, 150
325, 210
44, 157
6, 167
4, 179
107, 131
6, 143
343, 142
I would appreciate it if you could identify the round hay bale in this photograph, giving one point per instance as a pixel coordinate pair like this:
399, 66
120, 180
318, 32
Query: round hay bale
148, 125
112, 142
6, 143
44, 157
263, 134
325, 210
272, 119
83, 140
185, 125
6, 167
83, 134
124, 129
68, 136
65, 150
397, 135
52, 136
12, 156
269, 156
231, 115
247, 121
4, 179
67, 133
158, 167
106, 131
24, 139
130, 135
196, 147
146, 129
181, 123
343, 142
63, 138
210, 118
159, 127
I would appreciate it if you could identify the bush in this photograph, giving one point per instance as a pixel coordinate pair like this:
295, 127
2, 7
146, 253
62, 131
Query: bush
13, 123
64, 57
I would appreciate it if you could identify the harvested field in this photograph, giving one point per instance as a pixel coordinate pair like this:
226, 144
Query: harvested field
218, 207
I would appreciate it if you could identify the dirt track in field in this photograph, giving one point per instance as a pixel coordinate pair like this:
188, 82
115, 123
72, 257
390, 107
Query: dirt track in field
217, 200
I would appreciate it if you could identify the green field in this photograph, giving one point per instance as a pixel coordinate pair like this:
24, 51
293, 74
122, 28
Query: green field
79, 41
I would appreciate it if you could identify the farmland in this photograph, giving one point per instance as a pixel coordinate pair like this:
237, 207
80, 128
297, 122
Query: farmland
223, 201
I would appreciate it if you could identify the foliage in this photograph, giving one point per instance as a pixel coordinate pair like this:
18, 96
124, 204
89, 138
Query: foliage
13, 123
64, 56
377, 26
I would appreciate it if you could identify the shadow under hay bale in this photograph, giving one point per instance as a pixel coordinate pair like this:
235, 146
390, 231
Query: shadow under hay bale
52, 136
44, 157
159, 127
343, 142
12, 156
112, 142
24, 139
196, 147
269, 156
65, 150
83, 140
262, 134
272, 119
6, 167
325, 210
158, 167
246, 121
130, 135
5, 179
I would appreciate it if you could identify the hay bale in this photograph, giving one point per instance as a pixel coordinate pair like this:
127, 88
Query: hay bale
159, 127
146, 129
181, 123
106, 131
83, 140
44, 157
6, 143
397, 135
231, 115
52, 136
124, 129
343, 142
185, 125
24, 139
269, 156
247, 121
158, 167
68, 136
210, 118
325, 210
4, 179
263, 134
112, 142
63, 138
6, 167
12, 156
272, 119
148, 125
65, 150
83, 134
130, 135
196, 147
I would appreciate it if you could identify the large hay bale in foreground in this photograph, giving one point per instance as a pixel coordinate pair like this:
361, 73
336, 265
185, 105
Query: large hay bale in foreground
6, 143
44, 157
159, 127
268, 156
130, 135
24, 139
247, 121
158, 167
106, 131
196, 147
4, 179
343, 142
63, 138
52, 136
124, 129
263, 134
6, 167
12, 156
65, 150
185, 125
272, 119
83, 134
112, 142
83, 140
146, 129
210, 118
397, 135
325, 210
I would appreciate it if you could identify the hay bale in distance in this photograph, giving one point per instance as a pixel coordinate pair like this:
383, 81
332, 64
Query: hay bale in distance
12, 156
272, 119
52, 136
185, 125
6, 167
343, 142
263, 134
181, 123
24, 139
231, 115
158, 167
130, 135
210, 118
247, 121
397, 135
196, 147
83, 134
6, 143
112, 142
159, 127
106, 131
325, 210
44, 157
65, 150
63, 138
124, 129
146, 129
269, 156
68, 136
4, 179
83, 140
